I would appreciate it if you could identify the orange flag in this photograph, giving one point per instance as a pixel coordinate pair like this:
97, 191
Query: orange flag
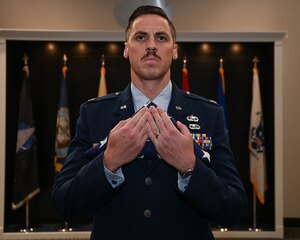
102, 85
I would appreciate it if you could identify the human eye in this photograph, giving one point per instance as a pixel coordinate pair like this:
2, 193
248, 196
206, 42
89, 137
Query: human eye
140, 37
162, 37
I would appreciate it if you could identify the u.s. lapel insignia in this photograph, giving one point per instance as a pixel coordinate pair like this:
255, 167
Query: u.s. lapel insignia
178, 108
192, 118
193, 126
123, 107
203, 141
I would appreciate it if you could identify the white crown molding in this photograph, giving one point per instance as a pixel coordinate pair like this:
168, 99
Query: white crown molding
92, 35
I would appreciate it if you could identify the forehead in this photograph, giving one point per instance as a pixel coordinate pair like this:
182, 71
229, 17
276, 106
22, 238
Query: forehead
150, 23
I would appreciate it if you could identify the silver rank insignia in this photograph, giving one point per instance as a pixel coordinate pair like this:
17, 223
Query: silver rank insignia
192, 118
194, 126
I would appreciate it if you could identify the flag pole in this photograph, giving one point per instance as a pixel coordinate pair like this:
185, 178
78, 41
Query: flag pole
102, 89
66, 227
65, 59
102, 60
254, 227
27, 215
25, 59
26, 229
185, 83
254, 210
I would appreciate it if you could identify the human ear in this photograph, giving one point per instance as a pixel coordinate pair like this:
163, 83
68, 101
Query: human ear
125, 52
175, 51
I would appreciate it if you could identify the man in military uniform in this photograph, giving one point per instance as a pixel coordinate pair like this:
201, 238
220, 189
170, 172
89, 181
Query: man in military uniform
150, 172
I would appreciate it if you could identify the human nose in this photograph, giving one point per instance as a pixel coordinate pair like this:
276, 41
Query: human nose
151, 46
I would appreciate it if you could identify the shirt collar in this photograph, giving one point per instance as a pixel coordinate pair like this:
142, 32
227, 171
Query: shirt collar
162, 100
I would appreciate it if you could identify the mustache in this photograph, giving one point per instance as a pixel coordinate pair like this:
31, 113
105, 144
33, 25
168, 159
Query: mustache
151, 52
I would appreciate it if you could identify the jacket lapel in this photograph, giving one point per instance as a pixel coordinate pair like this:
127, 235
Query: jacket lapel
178, 108
124, 107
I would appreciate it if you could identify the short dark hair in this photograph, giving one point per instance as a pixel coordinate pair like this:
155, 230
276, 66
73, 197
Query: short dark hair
143, 10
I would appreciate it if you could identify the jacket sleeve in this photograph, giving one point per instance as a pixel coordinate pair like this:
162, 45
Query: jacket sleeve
81, 187
217, 192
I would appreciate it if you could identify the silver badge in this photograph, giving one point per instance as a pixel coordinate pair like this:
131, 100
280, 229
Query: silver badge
192, 118
194, 126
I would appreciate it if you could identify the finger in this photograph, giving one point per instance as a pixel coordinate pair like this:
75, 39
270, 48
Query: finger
151, 121
120, 125
143, 136
165, 118
182, 128
141, 123
157, 119
137, 116
140, 127
150, 133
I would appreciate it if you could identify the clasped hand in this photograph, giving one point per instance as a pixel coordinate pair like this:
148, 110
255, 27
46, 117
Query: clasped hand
173, 143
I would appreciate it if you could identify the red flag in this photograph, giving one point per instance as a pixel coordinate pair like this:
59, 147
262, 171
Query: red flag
185, 83
221, 93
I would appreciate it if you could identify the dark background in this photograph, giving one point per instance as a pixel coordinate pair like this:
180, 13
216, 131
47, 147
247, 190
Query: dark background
84, 62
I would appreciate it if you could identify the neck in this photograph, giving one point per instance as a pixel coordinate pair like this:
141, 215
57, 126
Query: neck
150, 88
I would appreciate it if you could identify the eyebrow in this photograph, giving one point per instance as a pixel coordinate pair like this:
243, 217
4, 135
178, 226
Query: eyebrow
162, 33
146, 33
140, 32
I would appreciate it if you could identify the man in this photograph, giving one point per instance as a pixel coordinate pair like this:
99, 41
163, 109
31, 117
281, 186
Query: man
146, 178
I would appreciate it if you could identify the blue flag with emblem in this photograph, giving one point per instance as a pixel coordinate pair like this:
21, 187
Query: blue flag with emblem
63, 133
26, 179
221, 94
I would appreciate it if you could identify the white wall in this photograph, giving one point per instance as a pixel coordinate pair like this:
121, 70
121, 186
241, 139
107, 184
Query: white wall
191, 15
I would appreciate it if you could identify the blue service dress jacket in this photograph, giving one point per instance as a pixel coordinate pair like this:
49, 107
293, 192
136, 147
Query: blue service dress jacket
149, 204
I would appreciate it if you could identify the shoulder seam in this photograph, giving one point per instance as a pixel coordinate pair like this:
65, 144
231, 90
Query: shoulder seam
200, 98
106, 97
